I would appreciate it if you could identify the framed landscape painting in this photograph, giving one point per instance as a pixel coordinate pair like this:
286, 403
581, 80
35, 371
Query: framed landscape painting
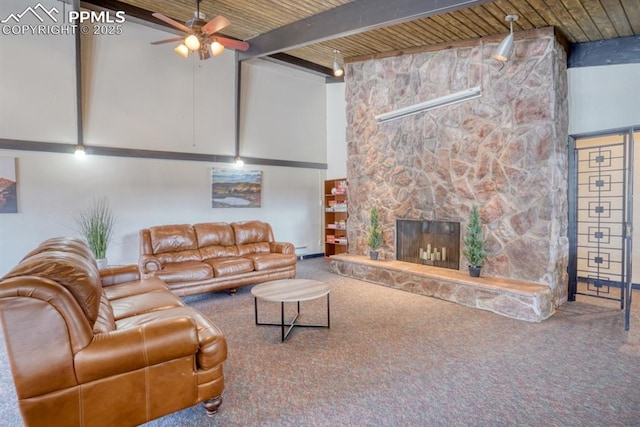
8, 185
232, 188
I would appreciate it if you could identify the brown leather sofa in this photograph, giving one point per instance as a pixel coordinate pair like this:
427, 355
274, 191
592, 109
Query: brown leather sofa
91, 347
207, 257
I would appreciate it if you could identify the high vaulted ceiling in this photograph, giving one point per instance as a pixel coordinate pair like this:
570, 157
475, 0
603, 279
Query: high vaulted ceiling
310, 30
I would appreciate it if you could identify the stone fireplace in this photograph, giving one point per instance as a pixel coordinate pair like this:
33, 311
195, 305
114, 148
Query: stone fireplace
435, 243
505, 152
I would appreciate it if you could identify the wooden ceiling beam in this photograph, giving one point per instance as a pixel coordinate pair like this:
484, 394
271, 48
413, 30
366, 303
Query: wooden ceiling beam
351, 18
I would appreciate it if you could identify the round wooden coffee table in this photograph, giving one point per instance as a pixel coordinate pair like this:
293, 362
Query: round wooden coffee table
290, 290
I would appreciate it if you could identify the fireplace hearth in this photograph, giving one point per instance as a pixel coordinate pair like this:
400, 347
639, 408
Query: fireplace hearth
435, 243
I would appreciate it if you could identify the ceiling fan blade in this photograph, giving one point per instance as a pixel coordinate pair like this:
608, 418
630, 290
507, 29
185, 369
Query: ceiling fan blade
171, 22
232, 44
215, 25
175, 39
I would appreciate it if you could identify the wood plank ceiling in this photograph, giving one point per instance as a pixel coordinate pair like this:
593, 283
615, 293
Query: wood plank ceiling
577, 20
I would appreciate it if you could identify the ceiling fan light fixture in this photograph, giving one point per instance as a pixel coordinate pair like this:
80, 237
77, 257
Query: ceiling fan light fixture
182, 50
239, 162
504, 49
199, 36
216, 48
338, 71
192, 42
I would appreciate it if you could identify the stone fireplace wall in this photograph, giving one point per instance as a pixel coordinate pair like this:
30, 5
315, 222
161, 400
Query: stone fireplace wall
505, 152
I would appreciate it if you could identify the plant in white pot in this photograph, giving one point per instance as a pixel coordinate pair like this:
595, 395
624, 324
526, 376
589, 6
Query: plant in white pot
474, 243
374, 237
95, 223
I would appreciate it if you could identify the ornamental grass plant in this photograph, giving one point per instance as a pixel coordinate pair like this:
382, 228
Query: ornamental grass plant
95, 223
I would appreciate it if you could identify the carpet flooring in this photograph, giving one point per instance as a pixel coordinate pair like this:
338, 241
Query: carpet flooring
392, 358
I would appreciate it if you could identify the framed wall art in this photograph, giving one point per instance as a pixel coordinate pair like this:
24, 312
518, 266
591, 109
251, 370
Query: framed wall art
232, 188
8, 185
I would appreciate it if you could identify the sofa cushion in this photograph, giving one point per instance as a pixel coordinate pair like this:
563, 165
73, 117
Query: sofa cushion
253, 248
144, 303
78, 274
214, 234
175, 241
228, 266
212, 344
181, 256
218, 252
64, 244
252, 232
135, 287
270, 261
187, 271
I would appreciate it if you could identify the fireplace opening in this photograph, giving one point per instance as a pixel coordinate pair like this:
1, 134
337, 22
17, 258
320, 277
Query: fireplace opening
434, 243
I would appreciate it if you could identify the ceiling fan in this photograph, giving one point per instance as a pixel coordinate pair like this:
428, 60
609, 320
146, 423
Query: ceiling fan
200, 35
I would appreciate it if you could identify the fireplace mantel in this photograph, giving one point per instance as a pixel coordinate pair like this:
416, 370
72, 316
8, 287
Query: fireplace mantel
517, 299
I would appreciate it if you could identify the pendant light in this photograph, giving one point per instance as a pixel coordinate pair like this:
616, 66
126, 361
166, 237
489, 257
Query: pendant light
338, 71
504, 49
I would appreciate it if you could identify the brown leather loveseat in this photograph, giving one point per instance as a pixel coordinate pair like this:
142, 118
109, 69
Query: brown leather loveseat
91, 347
209, 257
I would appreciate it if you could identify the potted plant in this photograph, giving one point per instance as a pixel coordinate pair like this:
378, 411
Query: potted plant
95, 223
374, 239
474, 243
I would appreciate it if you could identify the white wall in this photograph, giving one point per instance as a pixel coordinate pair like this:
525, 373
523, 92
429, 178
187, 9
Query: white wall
34, 99
336, 131
142, 193
605, 97
138, 95
283, 104
141, 96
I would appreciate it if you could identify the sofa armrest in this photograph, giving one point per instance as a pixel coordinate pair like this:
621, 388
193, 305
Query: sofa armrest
114, 275
149, 264
127, 350
282, 248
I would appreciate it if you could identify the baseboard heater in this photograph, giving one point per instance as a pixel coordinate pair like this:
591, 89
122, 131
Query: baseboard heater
307, 256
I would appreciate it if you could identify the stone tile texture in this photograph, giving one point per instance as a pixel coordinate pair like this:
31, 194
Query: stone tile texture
506, 152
